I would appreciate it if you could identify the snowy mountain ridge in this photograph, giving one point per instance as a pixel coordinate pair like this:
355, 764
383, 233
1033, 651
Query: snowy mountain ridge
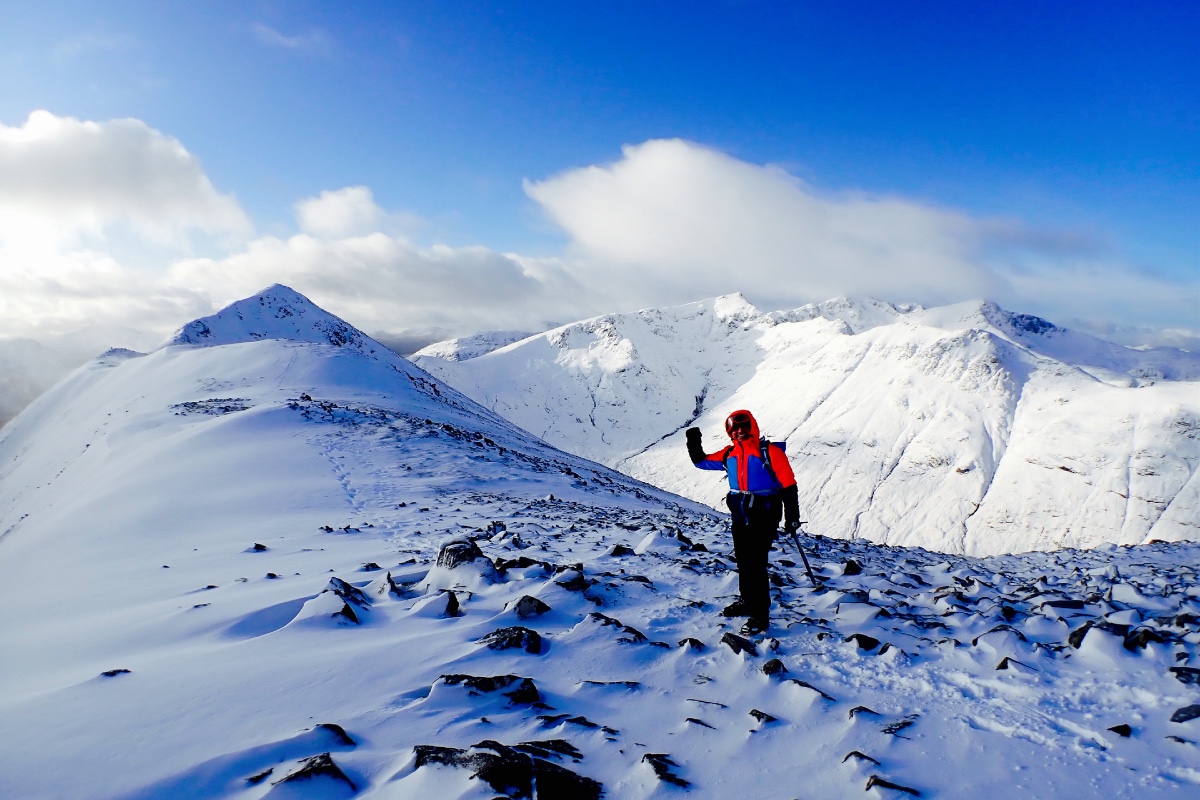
291, 568
964, 428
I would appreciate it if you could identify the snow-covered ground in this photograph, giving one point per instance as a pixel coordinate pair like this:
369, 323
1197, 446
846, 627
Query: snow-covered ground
219, 574
964, 429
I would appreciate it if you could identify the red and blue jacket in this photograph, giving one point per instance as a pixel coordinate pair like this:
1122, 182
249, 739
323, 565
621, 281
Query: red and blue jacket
746, 464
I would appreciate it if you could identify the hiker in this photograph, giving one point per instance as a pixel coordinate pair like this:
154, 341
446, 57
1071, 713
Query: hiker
762, 489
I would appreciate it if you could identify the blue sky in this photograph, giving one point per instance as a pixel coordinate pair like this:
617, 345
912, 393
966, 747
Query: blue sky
1078, 123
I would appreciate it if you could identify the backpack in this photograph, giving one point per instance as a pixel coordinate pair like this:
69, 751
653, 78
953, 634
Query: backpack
763, 444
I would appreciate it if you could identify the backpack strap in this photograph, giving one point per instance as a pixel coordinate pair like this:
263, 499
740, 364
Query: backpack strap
764, 451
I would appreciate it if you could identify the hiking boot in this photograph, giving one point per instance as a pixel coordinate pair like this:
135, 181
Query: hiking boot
736, 609
755, 625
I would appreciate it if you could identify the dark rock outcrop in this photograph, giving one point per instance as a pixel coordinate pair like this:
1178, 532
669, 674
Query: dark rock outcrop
316, 767
661, 763
513, 638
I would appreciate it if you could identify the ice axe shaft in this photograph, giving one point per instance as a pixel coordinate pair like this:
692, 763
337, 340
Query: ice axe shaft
804, 558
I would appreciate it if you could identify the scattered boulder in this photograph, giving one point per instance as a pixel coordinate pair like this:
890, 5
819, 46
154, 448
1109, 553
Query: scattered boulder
347, 613
852, 567
573, 580
774, 667
875, 780
857, 756
348, 592
465, 553
371, 566
893, 728
737, 644
1187, 713
619, 550
512, 638
632, 635
258, 547
661, 763
699, 722
529, 606
809, 686
254, 780
695, 644
525, 692
112, 673
336, 732
1123, 730
1186, 675
762, 716
317, 767
863, 641
854, 712
515, 771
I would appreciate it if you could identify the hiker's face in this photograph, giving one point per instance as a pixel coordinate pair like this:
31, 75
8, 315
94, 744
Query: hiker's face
740, 432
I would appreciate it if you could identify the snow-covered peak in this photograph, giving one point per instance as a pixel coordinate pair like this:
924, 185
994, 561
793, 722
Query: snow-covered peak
277, 312
734, 307
465, 348
859, 313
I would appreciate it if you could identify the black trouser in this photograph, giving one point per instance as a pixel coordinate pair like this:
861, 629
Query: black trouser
755, 521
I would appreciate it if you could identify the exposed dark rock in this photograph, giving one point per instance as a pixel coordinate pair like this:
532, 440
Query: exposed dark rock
550, 720
514, 637
347, 613
316, 767
1008, 661
622, 684
875, 780
574, 581
258, 548
699, 722
525, 693
529, 606
894, 728
1075, 637
661, 763
515, 770
549, 748
1075, 605
854, 712
620, 550
863, 641
737, 644
852, 567
337, 732
1188, 675
1122, 730
112, 673
856, 755
1138, 639
695, 644
773, 667
633, 635
453, 608
762, 716
271, 576
808, 685
520, 562
370, 566
347, 592
458, 552
254, 780
1186, 713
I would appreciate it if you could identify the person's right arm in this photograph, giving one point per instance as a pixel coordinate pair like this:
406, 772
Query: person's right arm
696, 452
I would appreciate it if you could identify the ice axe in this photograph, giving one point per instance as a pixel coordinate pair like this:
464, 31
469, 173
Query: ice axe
804, 558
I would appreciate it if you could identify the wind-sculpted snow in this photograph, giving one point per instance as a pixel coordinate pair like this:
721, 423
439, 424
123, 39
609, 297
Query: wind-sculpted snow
964, 429
279, 568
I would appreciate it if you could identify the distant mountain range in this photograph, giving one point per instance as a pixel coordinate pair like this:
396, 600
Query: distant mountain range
965, 428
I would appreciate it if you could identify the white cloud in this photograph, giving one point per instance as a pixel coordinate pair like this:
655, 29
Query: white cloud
384, 283
672, 220
61, 177
351, 211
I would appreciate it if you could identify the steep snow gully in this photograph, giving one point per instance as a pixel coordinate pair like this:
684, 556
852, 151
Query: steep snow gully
272, 559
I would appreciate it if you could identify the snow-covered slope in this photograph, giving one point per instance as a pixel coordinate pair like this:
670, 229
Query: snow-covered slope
963, 428
466, 347
231, 571
27, 368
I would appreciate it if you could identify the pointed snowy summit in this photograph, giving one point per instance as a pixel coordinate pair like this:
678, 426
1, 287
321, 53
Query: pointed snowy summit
277, 312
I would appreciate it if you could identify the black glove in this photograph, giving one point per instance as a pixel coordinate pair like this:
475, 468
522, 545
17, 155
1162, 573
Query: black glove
791, 509
694, 447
